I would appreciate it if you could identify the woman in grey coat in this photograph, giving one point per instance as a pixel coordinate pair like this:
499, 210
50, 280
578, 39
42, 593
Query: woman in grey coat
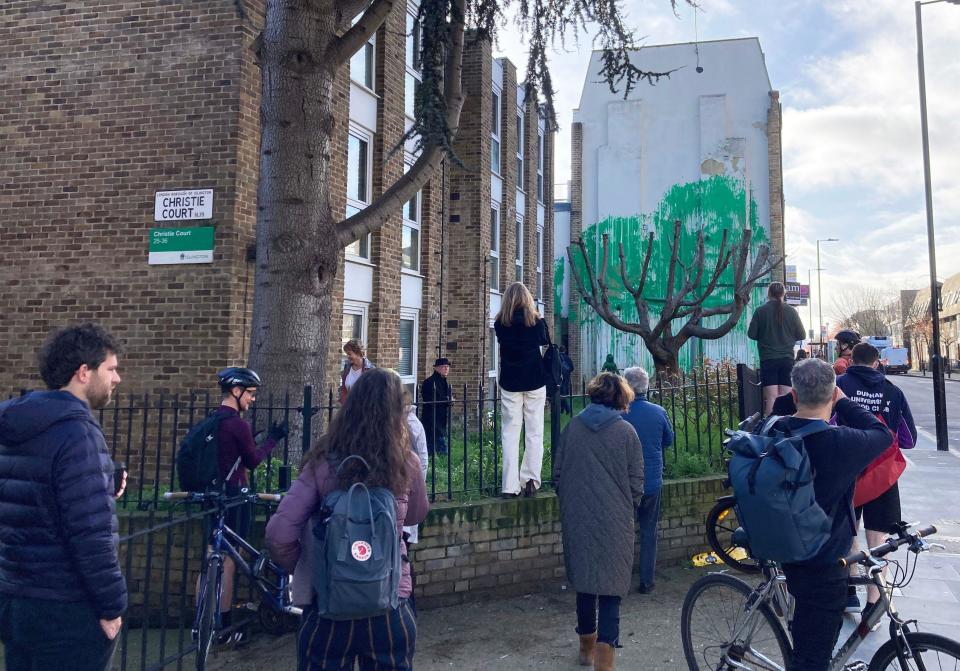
598, 473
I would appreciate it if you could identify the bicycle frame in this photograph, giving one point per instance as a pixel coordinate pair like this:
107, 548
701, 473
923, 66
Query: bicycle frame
225, 542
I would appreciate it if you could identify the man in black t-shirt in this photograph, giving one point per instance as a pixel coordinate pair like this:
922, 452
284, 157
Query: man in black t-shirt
837, 456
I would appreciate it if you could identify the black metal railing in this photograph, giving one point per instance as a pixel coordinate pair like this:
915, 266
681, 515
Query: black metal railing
162, 546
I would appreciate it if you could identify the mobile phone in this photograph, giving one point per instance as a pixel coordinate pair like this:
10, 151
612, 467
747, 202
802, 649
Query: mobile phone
119, 470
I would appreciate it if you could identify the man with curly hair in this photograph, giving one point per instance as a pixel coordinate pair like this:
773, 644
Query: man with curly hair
61, 591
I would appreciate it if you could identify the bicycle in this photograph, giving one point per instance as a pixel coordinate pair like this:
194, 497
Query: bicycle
722, 522
276, 611
727, 625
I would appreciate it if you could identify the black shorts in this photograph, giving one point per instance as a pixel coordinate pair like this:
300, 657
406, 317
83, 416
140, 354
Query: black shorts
776, 372
883, 512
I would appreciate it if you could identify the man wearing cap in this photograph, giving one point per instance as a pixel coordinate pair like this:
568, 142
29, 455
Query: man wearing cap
436, 399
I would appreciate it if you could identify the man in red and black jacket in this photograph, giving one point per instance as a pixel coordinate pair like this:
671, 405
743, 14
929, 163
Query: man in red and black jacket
238, 452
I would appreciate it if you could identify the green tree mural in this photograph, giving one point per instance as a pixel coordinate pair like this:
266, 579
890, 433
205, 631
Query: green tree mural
682, 273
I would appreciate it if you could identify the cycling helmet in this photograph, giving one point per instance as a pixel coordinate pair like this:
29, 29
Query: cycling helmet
229, 378
847, 337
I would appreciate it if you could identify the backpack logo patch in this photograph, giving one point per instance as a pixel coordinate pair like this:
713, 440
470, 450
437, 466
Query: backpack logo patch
361, 550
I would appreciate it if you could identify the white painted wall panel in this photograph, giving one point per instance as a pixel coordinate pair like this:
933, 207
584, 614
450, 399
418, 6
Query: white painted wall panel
358, 282
411, 291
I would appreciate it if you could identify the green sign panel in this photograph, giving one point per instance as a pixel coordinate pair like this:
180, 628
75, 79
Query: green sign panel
181, 245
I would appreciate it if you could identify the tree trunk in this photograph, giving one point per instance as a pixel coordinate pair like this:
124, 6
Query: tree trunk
666, 359
297, 248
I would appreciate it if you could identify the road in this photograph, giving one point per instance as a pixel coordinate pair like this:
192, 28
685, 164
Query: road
919, 391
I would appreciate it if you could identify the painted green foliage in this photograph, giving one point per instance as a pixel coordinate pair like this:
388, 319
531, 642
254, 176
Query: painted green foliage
713, 204
559, 267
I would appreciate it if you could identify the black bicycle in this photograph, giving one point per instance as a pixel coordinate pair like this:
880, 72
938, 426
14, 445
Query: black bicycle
276, 611
726, 624
722, 522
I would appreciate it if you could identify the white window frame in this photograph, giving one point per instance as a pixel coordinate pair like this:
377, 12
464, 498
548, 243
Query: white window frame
521, 162
411, 224
411, 70
495, 247
540, 243
518, 260
355, 308
372, 66
541, 150
413, 315
496, 133
363, 135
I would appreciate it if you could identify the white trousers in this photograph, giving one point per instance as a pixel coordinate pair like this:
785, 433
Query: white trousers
522, 409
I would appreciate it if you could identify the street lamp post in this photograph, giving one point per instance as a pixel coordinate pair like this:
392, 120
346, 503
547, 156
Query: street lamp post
936, 360
819, 295
810, 305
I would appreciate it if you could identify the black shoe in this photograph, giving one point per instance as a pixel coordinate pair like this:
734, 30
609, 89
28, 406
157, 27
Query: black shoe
236, 637
508, 495
530, 489
644, 588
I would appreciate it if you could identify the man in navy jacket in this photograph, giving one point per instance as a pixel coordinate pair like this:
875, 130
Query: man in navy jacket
61, 590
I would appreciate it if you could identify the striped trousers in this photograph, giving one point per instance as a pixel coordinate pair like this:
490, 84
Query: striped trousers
384, 642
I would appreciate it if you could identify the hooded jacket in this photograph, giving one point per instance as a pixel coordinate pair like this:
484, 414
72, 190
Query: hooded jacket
598, 473
58, 522
871, 390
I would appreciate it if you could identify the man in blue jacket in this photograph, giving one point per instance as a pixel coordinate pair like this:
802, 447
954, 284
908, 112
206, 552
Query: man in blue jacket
61, 590
656, 434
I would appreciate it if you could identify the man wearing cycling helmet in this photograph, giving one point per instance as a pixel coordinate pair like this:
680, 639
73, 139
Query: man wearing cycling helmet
846, 341
237, 451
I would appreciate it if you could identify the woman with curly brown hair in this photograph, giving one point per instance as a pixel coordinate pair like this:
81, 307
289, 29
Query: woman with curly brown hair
373, 425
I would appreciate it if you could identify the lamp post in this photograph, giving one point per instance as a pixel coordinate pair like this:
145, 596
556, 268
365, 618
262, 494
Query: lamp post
936, 359
819, 301
810, 306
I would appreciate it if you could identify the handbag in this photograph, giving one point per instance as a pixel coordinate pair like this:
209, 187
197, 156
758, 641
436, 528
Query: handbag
881, 473
552, 366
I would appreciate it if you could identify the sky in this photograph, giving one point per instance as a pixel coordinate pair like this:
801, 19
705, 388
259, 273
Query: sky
853, 167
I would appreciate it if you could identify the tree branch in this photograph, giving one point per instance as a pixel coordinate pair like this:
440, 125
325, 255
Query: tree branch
394, 198
360, 33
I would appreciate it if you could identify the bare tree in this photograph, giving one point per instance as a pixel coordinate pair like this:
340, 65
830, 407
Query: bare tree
303, 45
865, 309
685, 293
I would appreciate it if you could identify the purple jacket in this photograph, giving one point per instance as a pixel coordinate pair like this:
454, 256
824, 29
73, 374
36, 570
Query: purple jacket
289, 532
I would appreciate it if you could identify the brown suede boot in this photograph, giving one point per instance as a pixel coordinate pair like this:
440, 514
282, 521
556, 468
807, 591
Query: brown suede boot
587, 644
603, 657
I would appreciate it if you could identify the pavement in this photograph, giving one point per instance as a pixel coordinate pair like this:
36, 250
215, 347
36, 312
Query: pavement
536, 631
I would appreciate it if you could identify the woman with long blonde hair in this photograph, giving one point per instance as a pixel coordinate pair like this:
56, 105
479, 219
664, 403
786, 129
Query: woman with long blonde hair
520, 334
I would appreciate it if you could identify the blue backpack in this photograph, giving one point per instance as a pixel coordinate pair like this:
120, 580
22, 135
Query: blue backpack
773, 481
356, 566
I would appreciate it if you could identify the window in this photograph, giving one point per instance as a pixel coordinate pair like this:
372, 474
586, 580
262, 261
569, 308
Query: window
358, 165
495, 134
361, 65
358, 185
405, 367
519, 248
520, 176
413, 63
494, 249
540, 162
539, 263
354, 325
410, 242
493, 360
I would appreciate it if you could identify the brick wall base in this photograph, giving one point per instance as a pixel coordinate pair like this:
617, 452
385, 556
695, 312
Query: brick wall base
467, 551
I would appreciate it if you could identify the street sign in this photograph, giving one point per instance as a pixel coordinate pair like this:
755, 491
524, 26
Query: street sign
183, 205
796, 294
180, 245
790, 273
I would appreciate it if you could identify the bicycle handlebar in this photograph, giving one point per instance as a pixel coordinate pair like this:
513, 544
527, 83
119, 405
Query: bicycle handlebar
206, 496
887, 546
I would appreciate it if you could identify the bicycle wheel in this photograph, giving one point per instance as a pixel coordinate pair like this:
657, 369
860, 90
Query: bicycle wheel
721, 523
206, 613
718, 630
930, 652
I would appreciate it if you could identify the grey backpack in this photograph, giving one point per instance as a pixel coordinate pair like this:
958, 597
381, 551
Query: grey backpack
356, 566
772, 478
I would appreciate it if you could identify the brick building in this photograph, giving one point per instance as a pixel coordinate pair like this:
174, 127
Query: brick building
108, 103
